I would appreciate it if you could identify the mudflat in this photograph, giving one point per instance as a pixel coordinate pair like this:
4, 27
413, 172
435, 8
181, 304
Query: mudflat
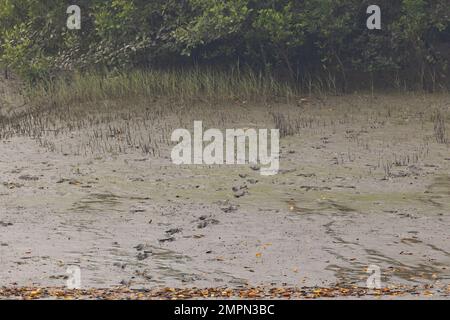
364, 182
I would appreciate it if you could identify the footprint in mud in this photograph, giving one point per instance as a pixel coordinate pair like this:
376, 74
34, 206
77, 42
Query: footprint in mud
417, 272
226, 206
164, 240
206, 221
142, 256
173, 231
340, 207
13, 185
137, 210
249, 180
325, 206
28, 177
229, 208
96, 201
168, 264
240, 191
438, 192
440, 185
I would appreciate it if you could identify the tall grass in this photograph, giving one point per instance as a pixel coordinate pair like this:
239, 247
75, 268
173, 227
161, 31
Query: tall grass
438, 119
186, 85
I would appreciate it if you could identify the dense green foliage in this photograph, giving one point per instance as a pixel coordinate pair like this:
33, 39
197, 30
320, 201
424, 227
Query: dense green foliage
296, 40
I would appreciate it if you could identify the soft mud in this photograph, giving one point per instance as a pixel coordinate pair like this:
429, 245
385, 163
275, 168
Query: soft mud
139, 221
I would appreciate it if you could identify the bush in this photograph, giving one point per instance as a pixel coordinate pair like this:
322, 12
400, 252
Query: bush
296, 40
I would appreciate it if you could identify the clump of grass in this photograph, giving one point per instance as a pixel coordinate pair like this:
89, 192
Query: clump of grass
283, 124
181, 85
136, 110
439, 127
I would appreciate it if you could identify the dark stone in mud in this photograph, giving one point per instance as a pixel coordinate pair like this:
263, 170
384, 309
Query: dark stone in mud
139, 247
5, 224
243, 176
